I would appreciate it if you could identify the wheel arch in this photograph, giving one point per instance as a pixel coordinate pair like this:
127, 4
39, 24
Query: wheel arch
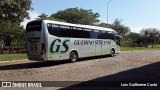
113, 49
74, 50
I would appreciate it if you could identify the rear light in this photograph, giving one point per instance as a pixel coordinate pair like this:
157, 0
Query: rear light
43, 49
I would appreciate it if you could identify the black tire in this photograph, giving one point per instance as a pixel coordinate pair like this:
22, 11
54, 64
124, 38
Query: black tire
112, 53
73, 57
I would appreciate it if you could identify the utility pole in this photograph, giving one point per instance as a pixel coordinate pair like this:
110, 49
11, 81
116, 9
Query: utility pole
107, 9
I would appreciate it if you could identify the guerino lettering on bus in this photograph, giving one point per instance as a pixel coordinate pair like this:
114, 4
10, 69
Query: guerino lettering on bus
91, 42
57, 44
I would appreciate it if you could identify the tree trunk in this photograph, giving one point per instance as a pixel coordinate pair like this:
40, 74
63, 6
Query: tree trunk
9, 49
146, 45
2, 46
152, 45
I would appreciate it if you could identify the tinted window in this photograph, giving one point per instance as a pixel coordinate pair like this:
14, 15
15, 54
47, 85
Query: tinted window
76, 32
94, 34
53, 29
65, 31
101, 35
86, 33
105, 35
109, 35
34, 26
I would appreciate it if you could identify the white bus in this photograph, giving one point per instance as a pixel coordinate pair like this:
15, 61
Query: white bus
53, 40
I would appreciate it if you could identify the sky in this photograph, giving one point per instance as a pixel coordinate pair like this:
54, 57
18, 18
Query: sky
136, 14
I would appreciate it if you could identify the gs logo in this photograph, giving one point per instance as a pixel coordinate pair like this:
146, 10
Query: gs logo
56, 44
33, 47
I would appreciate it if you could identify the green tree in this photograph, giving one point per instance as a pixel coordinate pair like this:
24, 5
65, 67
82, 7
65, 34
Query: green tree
120, 28
77, 16
135, 39
103, 25
158, 37
146, 36
14, 10
7, 32
150, 35
18, 37
43, 16
154, 35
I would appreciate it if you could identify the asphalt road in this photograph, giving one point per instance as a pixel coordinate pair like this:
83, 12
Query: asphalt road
126, 66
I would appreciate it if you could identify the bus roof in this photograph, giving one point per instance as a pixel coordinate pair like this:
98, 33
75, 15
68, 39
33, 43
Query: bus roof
79, 25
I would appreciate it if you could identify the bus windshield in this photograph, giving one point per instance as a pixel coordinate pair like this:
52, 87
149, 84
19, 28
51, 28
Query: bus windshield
118, 38
34, 26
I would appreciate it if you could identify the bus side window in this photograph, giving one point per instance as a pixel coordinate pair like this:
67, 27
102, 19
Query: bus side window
49, 27
94, 34
76, 32
101, 35
109, 35
53, 29
86, 33
65, 31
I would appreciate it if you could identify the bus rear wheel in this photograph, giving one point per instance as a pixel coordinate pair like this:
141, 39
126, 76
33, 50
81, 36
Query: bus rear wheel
73, 57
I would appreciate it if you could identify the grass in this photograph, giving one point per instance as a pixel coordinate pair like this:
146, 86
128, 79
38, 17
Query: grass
10, 57
140, 48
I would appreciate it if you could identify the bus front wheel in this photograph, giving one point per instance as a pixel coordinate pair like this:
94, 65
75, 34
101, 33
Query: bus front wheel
112, 53
73, 56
